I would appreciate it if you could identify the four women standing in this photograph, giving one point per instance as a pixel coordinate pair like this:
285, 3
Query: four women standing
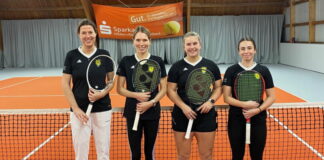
147, 103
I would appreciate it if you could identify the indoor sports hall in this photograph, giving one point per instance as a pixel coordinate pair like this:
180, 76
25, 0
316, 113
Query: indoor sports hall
35, 36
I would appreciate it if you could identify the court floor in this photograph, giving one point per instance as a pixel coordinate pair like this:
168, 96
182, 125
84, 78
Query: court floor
40, 89
305, 84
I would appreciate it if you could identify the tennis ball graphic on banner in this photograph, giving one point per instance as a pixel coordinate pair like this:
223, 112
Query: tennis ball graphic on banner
171, 27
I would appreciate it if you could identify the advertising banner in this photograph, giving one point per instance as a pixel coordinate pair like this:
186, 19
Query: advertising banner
119, 23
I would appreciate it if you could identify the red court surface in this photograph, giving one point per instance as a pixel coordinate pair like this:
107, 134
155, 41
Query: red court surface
46, 93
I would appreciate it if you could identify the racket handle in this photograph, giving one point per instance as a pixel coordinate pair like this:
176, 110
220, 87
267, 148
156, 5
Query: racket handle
187, 136
248, 132
88, 112
137, 116
89, 109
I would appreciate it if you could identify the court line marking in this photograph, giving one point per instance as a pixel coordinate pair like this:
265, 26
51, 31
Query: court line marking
296, 136
46, 141
19, 83
271, 116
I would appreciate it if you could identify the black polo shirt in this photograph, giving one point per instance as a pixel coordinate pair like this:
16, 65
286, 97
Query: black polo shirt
76, 64
126, 69
232, 72
179, 73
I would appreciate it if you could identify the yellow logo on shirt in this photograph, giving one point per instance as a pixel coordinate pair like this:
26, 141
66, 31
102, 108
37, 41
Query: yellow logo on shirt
203, 69
98, 62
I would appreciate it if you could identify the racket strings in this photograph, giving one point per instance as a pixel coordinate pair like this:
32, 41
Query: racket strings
146, 76
249, 87
199, 86
97, 72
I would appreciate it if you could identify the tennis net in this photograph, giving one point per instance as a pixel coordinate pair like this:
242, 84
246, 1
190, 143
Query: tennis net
295, 131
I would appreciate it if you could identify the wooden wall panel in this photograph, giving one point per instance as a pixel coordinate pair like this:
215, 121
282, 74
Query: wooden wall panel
40, 9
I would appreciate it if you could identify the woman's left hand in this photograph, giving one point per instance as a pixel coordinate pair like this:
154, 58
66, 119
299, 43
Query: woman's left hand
249, 113
94, 95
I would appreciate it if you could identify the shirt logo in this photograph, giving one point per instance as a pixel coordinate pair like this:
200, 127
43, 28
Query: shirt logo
132, 67
185, 69
203, 69
79, 61
98, 62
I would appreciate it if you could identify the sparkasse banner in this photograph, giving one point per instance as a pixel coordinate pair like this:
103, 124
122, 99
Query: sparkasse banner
119, 23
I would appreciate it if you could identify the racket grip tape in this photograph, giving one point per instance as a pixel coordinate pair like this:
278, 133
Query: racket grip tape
135, 125
187, 136
89, 109
88, 112
248, 132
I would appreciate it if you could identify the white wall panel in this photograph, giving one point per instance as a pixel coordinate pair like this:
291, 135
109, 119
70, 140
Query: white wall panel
307, 56
301, 33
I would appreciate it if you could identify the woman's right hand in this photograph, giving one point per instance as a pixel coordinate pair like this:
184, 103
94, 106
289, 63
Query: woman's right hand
189, 113
143, 96
80, 115
250, 104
